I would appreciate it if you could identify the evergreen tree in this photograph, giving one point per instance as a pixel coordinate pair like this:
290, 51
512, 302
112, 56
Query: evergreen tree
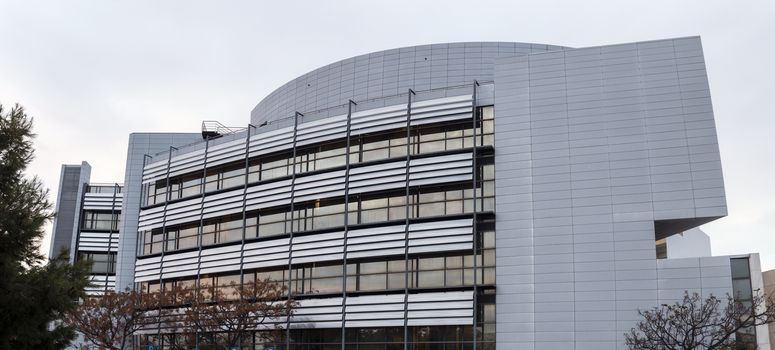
33, 296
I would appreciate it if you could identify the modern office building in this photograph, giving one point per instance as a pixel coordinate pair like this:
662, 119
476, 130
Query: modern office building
86, 224
450, 196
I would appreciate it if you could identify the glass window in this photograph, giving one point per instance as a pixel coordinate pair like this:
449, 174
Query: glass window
192, 186
487, 275
326, 271
208, 234
430, 279
156, 245
431, 209
102, 263
742, 289
275, 167
429, 147
211, 182
271, 224
396, 280
100, 221
372, 282
396, 265
232, 178
453, 277
373, 267
454, 262
251, 226
172, 239
374, 215
740, 267
230, 231
431, 263
372, 145
326, 285
187, 237
488, 239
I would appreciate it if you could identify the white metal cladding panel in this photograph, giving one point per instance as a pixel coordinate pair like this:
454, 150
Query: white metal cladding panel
450, 168
193, 160
368, 242
102, 201
223, 203
318, 247
375, 310
423, 237
450, 308
383, 176
183, 163
219, 259
274, 252
98, 241
441, 109
372, 120
150, 216
325, 185
269, 195
318, 313
225, 153
179, 212
384, 118
386, 240
321, 130
439, 308
271, 141
147, 269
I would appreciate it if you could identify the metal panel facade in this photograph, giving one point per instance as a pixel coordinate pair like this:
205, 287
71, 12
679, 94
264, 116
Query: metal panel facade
593, 146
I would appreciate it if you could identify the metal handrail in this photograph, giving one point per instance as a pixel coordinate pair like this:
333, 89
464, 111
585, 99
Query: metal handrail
215, 127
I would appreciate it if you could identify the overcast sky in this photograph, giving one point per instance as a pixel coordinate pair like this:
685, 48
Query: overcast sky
91, 72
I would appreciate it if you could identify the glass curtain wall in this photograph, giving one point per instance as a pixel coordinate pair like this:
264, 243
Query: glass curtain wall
384, 338
328, 214
452, 270
365, 148
743, 292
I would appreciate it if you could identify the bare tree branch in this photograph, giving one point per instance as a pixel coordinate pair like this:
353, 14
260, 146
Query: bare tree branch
697, 323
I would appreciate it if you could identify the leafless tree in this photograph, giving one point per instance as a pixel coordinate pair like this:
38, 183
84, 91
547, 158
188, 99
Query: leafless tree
697, 323
228, 315
109, 320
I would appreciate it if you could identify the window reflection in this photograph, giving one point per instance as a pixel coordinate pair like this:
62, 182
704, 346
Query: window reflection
455, 337
100, 220
102, 263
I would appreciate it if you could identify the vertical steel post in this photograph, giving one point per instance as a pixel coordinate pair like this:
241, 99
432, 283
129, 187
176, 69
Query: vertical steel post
200, 230
475, 241
138, 250
290, 241
406, 219
244, 217
346, 220
163, 237
110, 234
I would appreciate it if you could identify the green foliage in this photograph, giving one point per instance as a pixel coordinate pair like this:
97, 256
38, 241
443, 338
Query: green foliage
33, 295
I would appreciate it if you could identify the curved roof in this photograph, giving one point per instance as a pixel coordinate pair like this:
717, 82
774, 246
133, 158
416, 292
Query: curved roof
387, 73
